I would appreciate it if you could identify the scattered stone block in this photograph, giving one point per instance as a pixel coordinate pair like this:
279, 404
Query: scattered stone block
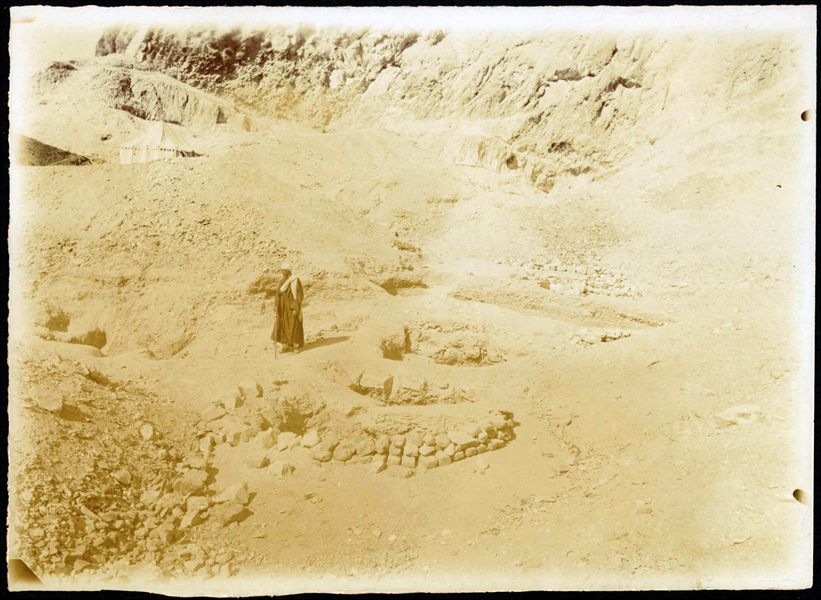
450, 450
343, 451
285, 440
462, 439
377, 467
408, 461
366, 447
310, 439
122, 476
147, 431
266, 439
499, 421
206, 444
429, 439
427, 450
442, 441
321, 453
398, 440
282, 469
415, 438
191, 482
149, 498
429, 462
444, 460
481, 465
411, 449
481, 448
458, 456
395, 451
233, 402
227, 513
393, 460
237, 493
470, 452
382, 444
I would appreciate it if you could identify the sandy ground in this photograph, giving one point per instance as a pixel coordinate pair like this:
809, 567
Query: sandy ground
646, 323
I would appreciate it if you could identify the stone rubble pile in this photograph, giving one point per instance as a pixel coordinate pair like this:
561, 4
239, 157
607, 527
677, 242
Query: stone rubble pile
108, 491
586, 337
455, 344
573, 279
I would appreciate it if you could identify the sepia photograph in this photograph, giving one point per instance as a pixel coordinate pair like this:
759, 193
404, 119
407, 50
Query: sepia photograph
411, 299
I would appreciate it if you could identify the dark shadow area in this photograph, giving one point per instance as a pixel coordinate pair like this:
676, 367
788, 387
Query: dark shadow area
324, 342
72, 413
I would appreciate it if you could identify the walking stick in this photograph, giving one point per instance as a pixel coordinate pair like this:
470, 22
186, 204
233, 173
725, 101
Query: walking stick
276, 333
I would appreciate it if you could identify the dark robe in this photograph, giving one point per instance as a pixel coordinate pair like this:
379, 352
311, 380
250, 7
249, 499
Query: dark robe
288, 325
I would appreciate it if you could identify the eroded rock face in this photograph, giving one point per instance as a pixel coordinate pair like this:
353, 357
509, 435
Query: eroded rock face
566, 104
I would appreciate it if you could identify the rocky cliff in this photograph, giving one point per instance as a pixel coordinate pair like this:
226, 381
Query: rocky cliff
542, 104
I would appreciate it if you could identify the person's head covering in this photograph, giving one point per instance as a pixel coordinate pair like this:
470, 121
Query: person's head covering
285, 267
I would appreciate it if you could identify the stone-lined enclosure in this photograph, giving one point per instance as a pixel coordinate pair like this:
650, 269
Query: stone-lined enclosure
267, 429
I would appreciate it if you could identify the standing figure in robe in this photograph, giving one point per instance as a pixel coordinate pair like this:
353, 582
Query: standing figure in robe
288, 329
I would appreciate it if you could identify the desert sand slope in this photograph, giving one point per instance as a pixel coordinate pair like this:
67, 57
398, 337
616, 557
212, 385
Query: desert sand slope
605, 338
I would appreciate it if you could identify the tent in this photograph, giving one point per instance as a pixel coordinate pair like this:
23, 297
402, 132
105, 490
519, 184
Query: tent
159, 141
